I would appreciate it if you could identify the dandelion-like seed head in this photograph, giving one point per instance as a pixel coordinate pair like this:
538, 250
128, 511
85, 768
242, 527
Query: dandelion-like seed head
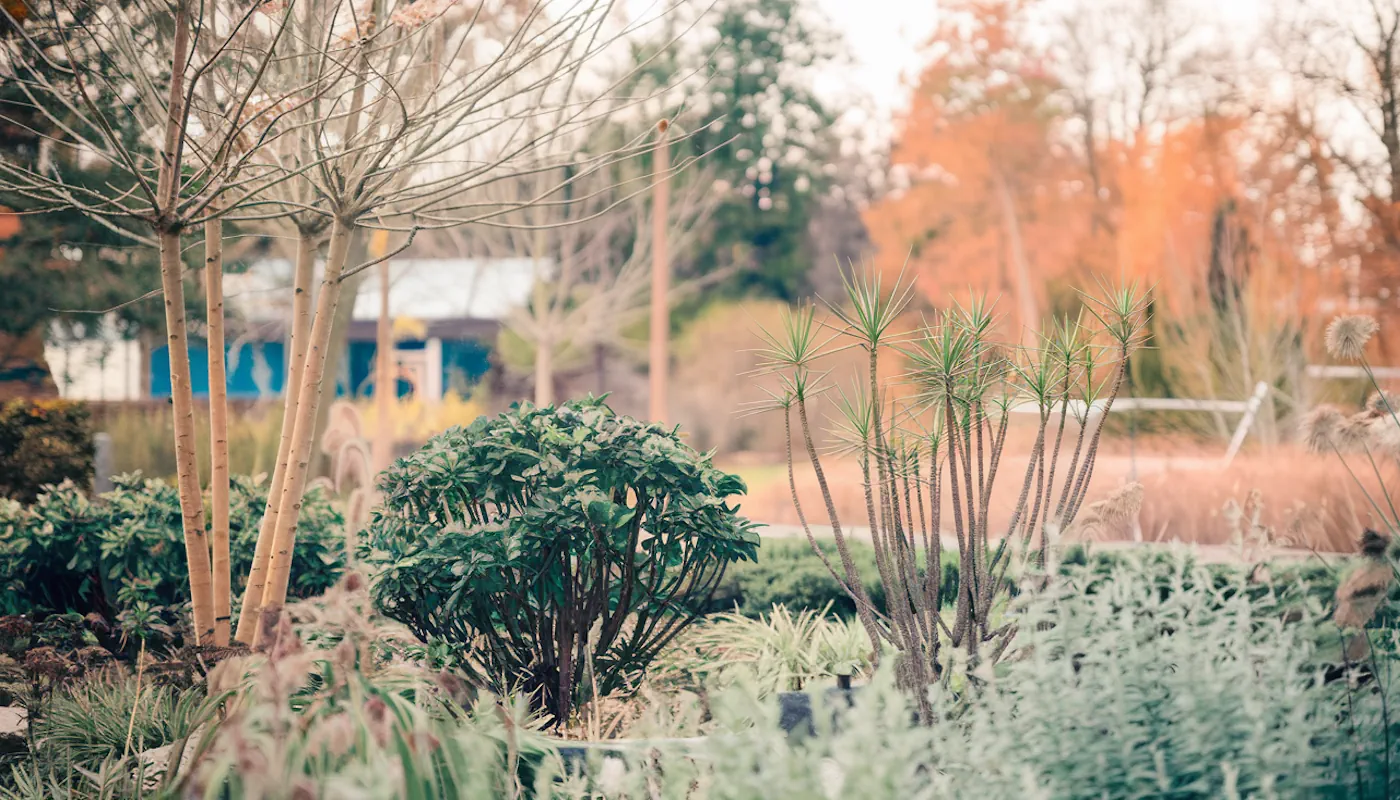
1321, 428
1353, 434
1347, 336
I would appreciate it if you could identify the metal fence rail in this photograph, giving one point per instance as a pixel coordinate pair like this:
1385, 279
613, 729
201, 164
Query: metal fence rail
1248, 408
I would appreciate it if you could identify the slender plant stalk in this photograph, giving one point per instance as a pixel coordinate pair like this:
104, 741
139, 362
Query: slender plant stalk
1047, 488
1081, 486
136, 704
865, 609
806, 528
300, 333
218, 427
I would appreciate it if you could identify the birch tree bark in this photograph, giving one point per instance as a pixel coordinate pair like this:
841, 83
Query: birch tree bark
307, 245
177, 335
303, 428
218, 428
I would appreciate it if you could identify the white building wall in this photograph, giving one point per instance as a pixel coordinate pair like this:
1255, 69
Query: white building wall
96, 370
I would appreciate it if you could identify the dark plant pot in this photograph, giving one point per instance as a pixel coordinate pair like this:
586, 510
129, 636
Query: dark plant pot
795, 715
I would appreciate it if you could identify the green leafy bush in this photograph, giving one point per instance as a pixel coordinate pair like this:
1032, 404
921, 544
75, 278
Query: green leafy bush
556, 542
125, 548
1287, 584
1201, 691
43, 442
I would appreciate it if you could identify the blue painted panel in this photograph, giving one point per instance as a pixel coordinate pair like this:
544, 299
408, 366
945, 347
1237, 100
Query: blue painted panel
359, 363
463, 364
259, 369
362, 368
255, 369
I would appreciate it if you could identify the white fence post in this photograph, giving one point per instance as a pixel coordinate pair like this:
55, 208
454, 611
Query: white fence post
1261, 390
101, 463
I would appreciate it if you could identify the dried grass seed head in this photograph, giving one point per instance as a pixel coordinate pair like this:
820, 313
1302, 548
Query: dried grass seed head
1321, 428
1348, 334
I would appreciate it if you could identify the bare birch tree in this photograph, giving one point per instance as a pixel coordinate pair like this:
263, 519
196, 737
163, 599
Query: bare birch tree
591, 256
413, 120
110, 61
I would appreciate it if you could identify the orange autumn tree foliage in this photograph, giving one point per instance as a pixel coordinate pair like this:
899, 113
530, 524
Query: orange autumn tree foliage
1000, 200
1220, 198
994, 202
1172, 193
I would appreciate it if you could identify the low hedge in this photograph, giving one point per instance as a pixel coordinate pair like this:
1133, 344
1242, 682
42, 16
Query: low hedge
69, 552
1290, 582
789, 573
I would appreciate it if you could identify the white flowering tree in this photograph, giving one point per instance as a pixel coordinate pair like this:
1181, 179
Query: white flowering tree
746, 78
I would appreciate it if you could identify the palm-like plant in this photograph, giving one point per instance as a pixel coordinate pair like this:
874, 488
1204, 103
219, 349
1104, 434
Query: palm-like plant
950, 435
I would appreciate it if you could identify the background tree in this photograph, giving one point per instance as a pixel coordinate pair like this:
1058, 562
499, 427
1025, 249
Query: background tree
1344, 61
745, 79
57, 263
102, 76
592, 255
408, 128
990, 200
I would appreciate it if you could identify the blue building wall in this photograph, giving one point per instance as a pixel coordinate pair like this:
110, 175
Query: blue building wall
464, 362
259, 369
254, 369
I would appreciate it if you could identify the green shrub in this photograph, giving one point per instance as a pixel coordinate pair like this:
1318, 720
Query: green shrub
91, 722
126, 548
43, 442
781, 650
788, 573
1200, 691
1291, 584
550, 539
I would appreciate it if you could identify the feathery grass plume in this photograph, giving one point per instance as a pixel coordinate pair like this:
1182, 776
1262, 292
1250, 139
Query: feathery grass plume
1384, 436
1321, 428
1348, 334
1109, 518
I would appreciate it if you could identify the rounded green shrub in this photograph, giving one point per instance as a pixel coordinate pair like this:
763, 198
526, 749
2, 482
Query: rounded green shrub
43, 442
564, 545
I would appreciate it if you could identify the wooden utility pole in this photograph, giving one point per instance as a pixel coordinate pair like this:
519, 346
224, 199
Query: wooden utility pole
385, 384
660, 279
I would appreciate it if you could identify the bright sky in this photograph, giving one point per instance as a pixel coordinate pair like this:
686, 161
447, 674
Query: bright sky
885, 36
